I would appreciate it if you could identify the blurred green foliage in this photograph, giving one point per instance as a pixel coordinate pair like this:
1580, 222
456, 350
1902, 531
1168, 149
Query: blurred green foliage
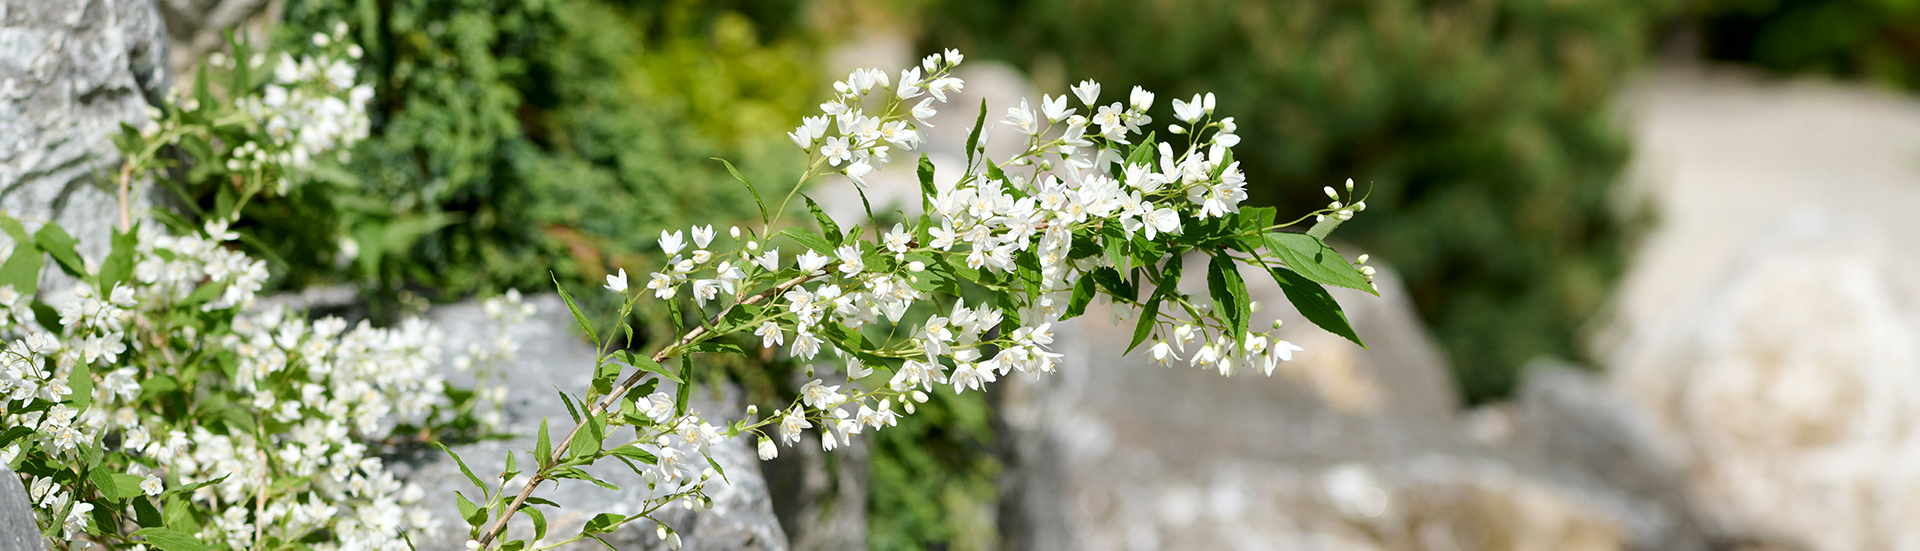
1481, 128
1877, 40
514, 137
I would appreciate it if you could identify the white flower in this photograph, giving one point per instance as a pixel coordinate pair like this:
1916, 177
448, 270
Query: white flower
792, 424
770, 335
812, 262
1284, 350
953, 57
1055, 108
1088, 91
672, 243
617, 283
1141, 99
767, 450
1162, 220
663, 285
857, 171
836, 151
1022, 118
850, 262
770, 260
923, 111
151, 486
819, 396
702, 236
705, 290
1189, 112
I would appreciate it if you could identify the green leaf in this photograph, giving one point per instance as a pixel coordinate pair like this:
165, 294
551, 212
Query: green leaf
685, 391
1143, 153
1324, 227
973, 138
539, 522
764, 218
587, 440
717, 347
543, 449
577, 474
13, 228
118, 265
167, 539
81, 381
827, 227
578, 317
56, 242
647, 364
717, 468
603, 523
1082, 294
473, 514
633, 451
117, 486
1312, 258
1314, 302
1144, 326
927, 187
13, 433
22, 270
146, 514
1229, 293
808, 240
604, 375
463, 468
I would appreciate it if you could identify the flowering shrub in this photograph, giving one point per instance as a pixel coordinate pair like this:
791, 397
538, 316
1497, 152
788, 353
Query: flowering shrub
151, 408
1091, 208
147, 405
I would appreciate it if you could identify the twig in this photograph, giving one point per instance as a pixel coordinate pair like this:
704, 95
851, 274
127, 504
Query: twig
611, 397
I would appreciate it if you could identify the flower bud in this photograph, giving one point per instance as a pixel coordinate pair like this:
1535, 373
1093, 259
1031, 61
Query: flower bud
1276, 324
1330, 192
1349, 184
673, 541
916, 266
909, 407
768, 451
752, 246
472, 545
1253, 306
752, 410
734, 231
919, 396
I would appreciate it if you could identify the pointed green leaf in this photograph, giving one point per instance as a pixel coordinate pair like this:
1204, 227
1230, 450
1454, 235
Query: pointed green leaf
22, 270
808, 240
927, 188
827, 227
1229, 294
756, 193
1143, 327
57, 243
647, 364
543, 448
167, 539
973, 138
463, 468
1315, 304
578, 317
1312, 258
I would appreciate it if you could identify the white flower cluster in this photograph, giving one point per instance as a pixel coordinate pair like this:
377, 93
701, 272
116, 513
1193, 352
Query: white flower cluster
313, 106
506, 311
987, 223
305, 399
861, 142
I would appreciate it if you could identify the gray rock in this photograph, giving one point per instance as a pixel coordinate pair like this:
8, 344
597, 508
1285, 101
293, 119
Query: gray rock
199, 27
820, 496
1793, 389
552, 358
18, 531
1342, 448
71, 72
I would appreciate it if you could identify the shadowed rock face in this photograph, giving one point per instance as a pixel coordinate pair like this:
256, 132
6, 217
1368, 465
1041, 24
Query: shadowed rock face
1342, 448
71, 72
551, 357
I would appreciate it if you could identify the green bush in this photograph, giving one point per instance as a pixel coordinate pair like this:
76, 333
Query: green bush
516, 135
1481, 129
1872, 39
